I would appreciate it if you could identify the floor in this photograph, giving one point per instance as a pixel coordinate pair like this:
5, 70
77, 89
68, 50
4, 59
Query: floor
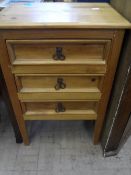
58, 148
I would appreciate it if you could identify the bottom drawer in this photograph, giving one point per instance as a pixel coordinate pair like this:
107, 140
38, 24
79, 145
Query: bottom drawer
59, 110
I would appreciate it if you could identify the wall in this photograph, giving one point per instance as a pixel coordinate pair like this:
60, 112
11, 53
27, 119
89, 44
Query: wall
113, 139
123, 6
93, 0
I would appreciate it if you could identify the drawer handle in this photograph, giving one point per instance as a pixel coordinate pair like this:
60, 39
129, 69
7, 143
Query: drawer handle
60, 108
60, 84
59, 55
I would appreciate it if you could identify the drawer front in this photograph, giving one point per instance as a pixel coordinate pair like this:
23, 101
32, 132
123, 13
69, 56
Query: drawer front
41, 88
32, 52
57, 83
89, 94
95, 68
60, 110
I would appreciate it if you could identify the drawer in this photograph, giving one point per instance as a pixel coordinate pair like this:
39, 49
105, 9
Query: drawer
60, 110
37, 52
62, 83
40, 88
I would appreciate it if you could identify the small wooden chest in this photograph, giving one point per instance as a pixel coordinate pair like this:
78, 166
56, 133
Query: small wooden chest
59, 60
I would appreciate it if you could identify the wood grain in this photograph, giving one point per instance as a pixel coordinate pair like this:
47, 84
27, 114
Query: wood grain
7, 109
37, 52
95, 68
90, 115
88, 94
23, 34
108, 81
73, 111
90, 35
9, 80
61, 15
42, 83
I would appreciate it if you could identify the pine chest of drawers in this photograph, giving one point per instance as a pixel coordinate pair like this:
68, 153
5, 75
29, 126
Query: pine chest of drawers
59, 60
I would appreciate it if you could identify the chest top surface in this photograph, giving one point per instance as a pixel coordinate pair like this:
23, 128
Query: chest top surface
61, 15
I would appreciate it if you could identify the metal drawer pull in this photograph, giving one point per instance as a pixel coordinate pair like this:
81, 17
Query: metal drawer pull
60, 84
58, 55
60, 108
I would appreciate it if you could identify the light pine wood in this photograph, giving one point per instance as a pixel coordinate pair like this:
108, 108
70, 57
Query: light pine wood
43, 106
89, 115
29, 52
61, 15
44, 33
49, 62
95, 68
41, 83
57, 75
73, 111
109, 77
9, 80
87, 94
90, 35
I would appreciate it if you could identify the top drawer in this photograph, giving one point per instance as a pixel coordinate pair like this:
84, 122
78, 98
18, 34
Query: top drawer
37, 52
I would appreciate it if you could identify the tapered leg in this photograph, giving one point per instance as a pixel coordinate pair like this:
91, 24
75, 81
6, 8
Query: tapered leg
12, 91
108, 81
5, 99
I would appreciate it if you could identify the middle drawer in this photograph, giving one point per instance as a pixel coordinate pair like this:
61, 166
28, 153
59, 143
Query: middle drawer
58, 87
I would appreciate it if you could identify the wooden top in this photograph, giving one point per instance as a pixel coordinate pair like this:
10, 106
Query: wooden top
61, 15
